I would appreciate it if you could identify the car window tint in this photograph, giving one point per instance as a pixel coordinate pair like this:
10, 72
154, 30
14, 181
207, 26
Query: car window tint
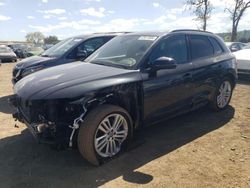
174, 47
217, 48
200, 46
91, 45
87, 47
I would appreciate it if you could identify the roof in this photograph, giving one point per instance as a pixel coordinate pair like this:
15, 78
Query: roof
191, 31
162, 33
87, 36
149, 33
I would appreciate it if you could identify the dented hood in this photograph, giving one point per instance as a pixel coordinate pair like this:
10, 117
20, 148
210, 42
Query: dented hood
72, 80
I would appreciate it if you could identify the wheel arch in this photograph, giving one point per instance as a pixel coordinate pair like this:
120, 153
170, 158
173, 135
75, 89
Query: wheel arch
126, 96
232, 78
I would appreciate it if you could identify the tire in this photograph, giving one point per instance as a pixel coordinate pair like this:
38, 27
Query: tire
221, 101
93, 128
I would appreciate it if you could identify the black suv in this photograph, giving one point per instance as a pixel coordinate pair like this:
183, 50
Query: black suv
133, 80
66, 51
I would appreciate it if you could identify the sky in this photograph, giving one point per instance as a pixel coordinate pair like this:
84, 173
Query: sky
65, 18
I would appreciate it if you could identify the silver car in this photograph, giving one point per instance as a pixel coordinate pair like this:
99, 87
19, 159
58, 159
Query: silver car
6, 54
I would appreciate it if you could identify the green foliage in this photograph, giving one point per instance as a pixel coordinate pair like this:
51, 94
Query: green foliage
51, 40
35, 37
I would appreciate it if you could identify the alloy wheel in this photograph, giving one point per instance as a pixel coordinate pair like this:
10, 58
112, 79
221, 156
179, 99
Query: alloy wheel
224, 95
110, 134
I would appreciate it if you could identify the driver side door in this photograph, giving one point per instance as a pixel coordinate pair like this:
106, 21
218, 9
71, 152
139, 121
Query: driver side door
168, 91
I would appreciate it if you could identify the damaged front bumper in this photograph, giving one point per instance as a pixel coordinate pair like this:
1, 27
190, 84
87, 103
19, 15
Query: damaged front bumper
43, 130
54, 122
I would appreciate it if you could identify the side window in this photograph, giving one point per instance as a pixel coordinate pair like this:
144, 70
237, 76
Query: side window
217, 48
91, 45
200, 46
87, 48
174, 47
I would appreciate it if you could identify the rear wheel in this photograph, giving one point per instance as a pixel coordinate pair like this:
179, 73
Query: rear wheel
105, 131
223, 95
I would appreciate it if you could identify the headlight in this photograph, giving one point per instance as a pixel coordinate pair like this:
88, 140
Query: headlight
31, 70
18, 73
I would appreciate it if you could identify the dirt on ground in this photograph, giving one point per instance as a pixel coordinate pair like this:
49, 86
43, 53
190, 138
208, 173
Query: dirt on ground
199, 149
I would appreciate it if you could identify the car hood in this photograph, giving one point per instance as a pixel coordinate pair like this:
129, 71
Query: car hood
34, 60
72, 80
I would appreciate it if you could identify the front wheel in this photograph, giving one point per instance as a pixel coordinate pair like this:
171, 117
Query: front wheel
222, 95
105, 131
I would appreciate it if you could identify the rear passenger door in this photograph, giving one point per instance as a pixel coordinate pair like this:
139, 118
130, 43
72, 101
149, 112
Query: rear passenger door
206, 54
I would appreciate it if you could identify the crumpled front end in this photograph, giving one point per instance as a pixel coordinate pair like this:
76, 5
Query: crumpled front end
47, 120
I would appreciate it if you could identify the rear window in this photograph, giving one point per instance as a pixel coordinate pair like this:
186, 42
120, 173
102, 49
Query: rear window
200, 46
217, 48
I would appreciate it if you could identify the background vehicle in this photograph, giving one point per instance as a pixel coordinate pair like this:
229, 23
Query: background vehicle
47, 46
247, 46
6, 54
31, 51
243, 60
20, 50
235, 46
133, 80
66, 51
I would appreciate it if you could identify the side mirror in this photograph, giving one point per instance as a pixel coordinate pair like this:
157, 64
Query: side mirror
164, 63
81, 54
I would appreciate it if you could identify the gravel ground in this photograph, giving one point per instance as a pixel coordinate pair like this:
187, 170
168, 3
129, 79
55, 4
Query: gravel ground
199, 149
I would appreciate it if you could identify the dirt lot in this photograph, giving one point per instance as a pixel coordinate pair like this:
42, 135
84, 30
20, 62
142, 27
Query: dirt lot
199, 149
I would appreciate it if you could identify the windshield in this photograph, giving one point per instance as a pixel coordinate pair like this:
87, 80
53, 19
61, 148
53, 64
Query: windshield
5, 50
61, 47
123, 51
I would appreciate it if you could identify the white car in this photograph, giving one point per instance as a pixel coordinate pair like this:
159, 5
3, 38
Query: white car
243, 60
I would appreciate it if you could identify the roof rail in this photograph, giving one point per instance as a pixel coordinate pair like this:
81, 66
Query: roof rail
178, 30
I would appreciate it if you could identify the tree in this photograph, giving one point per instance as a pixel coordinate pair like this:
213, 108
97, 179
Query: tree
202, 9
35, 37
236, 12
51, 40
227, 38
